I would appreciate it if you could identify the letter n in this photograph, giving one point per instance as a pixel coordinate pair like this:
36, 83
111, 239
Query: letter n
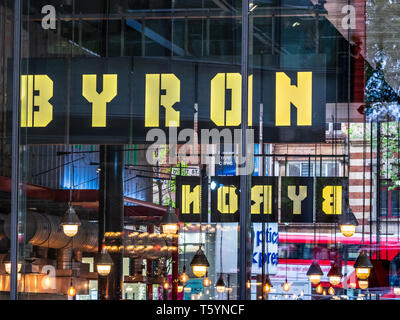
300, 96
190, 197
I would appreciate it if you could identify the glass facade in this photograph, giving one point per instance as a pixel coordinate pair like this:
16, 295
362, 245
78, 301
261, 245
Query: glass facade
114, 180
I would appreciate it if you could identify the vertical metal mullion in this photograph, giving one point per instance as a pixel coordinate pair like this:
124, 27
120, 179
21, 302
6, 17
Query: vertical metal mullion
143, 37
207, 36
15, 150
186, 40
244, 178
122, 39
378, 186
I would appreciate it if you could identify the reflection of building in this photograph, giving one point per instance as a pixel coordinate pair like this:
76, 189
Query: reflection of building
120, 197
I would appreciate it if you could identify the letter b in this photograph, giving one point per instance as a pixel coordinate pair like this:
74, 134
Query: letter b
332, 203
44, 115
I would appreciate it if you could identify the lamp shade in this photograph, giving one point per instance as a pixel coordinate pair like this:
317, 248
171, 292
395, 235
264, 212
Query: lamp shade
220, 284
199, 263
335, 274
169, 221
363, 284
104, 263
363, 266
314, 272
348, 222
70, 222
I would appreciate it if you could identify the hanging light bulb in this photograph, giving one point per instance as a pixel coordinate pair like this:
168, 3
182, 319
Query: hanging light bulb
184, 277
104, 263
267, 285
363, 284
180, 286
286, 286
324, 292
335, 274
396, 286
199, 263
318, 289
220, 284
169, 221
331, 291
206, 280
314, 272
166, 284
71, 290
7, 264
46, 282
363, 266
70, 222
248, 284
348, 222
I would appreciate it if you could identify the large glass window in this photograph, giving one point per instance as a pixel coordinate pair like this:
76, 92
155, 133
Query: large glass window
89, 210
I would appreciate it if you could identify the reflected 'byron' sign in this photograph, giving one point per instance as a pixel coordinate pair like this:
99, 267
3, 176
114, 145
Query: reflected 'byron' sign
296, 199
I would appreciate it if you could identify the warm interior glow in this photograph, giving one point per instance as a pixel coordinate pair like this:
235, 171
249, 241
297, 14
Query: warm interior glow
396, 291
71, 291
286, 287
199, 271
206, 282
267, 288
347, 229
363, 273
180, 288
103, 269
315, 278
70, 230
331, 291
248, 284
47, 282
363, 284
184, 277
7, 266
318, 289
170, 228
220, 289
334, 280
